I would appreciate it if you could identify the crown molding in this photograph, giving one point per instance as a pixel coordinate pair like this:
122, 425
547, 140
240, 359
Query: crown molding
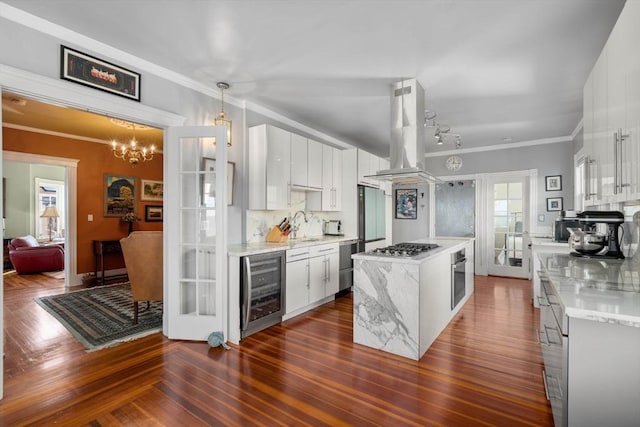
497, 147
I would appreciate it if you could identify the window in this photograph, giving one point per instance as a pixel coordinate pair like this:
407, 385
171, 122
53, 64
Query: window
49, 193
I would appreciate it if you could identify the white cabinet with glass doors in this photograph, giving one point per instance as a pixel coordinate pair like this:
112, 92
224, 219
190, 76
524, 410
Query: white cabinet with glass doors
195, 253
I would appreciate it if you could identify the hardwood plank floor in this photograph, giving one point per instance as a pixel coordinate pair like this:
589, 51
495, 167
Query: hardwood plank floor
484, 369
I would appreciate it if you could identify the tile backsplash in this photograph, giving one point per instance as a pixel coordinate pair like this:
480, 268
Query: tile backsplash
260, 222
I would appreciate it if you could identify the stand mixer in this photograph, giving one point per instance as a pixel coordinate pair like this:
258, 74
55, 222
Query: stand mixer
603, 245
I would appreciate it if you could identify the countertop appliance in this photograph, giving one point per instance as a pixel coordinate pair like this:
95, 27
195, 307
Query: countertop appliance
458, 277
332, 228
590, 221
404, 250
262, 292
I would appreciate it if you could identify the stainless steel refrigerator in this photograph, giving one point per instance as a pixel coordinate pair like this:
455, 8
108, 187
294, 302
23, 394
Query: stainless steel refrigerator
371, 215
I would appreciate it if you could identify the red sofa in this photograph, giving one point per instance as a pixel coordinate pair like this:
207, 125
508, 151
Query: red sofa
28, 256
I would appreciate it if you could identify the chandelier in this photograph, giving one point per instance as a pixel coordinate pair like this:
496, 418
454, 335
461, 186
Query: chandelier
220, 119
132, 152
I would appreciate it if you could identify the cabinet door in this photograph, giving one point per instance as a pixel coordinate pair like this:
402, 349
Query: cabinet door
297, 295
327, 178
332, 285
588, 174
364, 162
314, 163
298, 160
278, 161
631, 154
337, 179
380, 214
317, 278
602, 143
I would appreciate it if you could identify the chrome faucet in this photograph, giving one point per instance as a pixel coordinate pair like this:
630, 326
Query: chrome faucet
294, 225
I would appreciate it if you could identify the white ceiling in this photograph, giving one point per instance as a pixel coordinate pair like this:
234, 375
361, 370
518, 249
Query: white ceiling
491, 69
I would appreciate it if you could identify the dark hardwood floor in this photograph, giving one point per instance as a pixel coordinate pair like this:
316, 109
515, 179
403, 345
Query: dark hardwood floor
484, 369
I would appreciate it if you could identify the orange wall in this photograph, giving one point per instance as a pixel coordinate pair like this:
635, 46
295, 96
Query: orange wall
95, 160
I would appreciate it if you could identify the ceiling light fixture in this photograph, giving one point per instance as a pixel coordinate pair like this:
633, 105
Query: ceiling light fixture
441, 132
220, 119
131, 152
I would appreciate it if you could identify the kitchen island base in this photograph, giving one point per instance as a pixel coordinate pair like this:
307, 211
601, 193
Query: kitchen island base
401, 305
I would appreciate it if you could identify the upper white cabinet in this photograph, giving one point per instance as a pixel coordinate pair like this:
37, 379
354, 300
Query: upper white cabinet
314, 163
269, 168
331, 179
611, 116
299, 158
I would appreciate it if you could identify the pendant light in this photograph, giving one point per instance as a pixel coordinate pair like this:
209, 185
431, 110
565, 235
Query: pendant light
220, 119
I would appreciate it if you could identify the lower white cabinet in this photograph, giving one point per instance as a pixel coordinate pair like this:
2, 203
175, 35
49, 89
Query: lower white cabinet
312, 276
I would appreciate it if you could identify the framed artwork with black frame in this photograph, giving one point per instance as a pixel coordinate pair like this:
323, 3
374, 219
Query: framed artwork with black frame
153, 213
407, 203
553, 183
99, 74
554, 204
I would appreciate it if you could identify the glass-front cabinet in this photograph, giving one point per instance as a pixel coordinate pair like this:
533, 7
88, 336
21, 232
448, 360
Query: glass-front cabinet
195, 233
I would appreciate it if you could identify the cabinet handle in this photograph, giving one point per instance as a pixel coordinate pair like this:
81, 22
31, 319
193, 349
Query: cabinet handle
540, 341
621, 138
247, 297
308, 276
328, 269
615, 163
289, 194
544, 381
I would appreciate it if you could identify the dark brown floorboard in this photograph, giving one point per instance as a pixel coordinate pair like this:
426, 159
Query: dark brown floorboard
484, 369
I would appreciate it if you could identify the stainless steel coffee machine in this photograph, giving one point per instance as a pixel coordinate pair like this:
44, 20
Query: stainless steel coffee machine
588, 241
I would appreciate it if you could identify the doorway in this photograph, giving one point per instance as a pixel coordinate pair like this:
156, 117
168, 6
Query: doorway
508, 221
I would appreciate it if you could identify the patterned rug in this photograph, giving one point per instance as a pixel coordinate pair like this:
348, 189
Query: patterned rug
103, 316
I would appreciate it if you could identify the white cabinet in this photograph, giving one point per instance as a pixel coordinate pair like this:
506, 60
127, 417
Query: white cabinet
314, 163
611, 123
312, 276
368, 164
299, 158
269, 168
331, 179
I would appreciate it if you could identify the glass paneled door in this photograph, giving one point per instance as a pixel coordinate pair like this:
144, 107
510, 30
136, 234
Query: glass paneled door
195, 233
508, 220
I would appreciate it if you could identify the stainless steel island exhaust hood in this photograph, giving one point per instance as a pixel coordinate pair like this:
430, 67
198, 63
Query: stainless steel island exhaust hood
407, 136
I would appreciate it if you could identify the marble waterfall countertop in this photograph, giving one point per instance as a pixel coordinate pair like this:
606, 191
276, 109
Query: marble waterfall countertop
400, 305
446, 245
601, 290
243, 249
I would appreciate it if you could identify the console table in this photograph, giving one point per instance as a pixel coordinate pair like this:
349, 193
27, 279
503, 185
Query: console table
102, 248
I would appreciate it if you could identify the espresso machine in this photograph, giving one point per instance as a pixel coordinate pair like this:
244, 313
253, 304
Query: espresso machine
591, 243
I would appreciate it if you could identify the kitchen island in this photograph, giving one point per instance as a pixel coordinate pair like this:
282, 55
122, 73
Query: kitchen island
401, 304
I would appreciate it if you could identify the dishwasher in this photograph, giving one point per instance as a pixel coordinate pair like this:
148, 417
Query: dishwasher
458, 260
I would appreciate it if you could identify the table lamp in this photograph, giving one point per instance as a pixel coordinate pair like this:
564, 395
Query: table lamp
50, 212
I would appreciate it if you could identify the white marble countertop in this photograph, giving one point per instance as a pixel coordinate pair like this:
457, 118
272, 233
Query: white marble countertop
447, 245
596, 289
243, 249
547, 241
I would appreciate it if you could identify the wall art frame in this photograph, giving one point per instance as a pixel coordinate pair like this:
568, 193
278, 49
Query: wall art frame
153, 213
151, 190
209, 182
99, 74
553, 183
406, 203
119, 195
554, 204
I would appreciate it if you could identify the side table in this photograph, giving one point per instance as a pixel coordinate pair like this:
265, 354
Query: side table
100, 249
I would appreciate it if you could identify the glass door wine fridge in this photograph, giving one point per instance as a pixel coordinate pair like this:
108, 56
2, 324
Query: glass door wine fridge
262, 293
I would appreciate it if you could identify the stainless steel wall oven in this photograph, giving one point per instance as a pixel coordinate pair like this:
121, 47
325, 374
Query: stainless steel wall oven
262, 293
458, 275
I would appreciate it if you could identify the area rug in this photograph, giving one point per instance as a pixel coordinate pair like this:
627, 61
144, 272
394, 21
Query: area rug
102, 316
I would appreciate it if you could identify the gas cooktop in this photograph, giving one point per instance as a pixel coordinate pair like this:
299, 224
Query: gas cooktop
405, 250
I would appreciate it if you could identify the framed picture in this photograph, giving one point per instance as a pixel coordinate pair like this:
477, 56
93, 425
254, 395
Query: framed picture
119, 195
554, 204
407, 203
209, 182
553, 183
151, 190
89, 71
153, 213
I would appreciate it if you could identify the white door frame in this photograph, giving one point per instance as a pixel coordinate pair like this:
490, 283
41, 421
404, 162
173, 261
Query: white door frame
482, 211
67, 94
